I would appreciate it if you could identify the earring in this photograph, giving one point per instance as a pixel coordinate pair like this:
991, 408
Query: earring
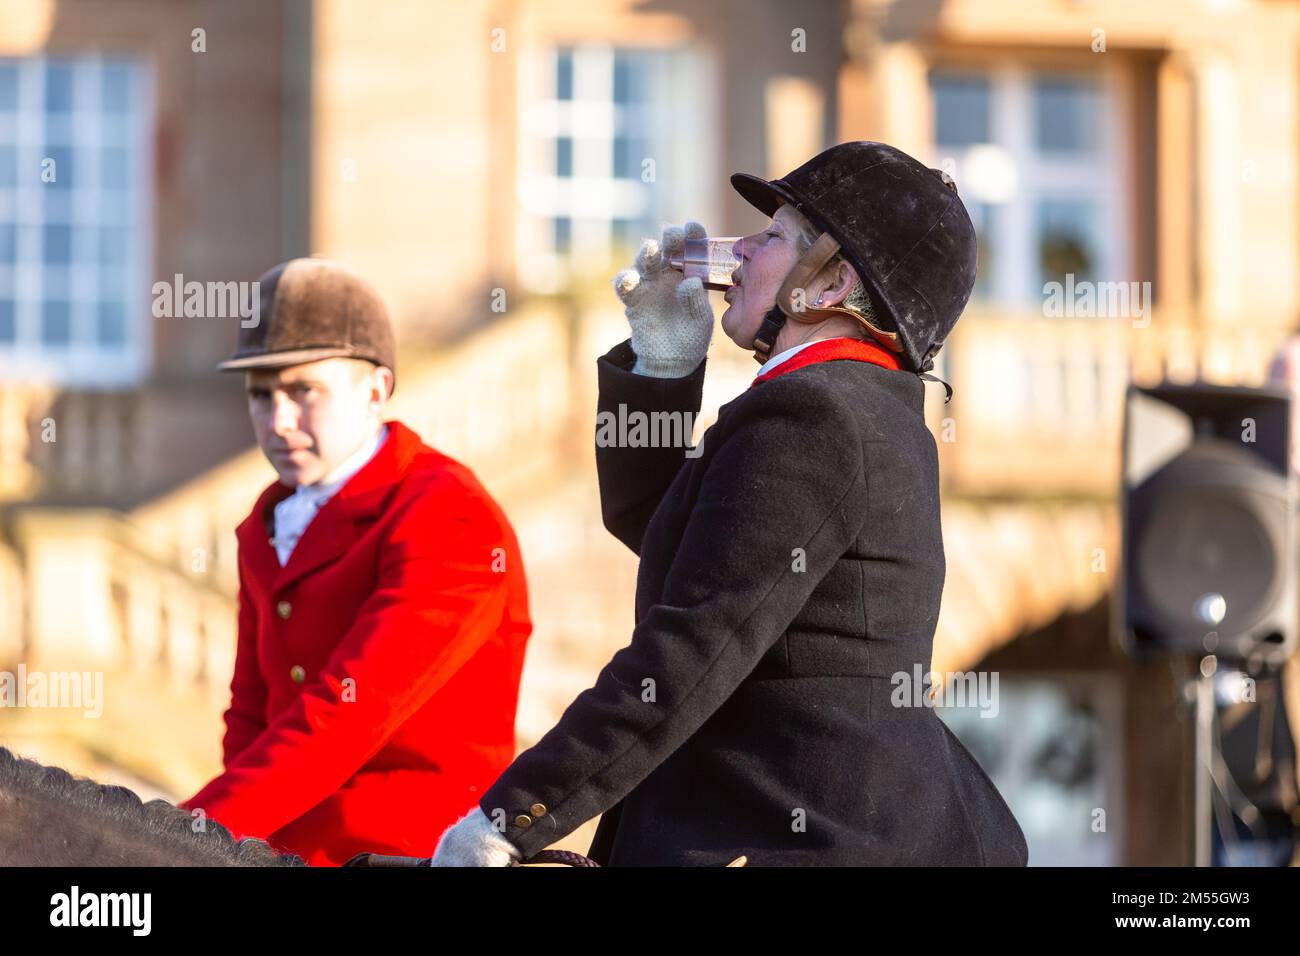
819, 299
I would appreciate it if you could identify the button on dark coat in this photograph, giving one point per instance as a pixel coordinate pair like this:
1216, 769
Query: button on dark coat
789, 568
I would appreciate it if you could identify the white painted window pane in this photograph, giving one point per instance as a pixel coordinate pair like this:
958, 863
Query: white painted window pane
56, 322
59, 86
8, 87
564, 74
962, 103
1068, 240
118, 92
74, 180
1067, 114
111, 322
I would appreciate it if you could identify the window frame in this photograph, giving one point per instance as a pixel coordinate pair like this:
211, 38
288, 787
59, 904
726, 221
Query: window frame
1104, 176
84, 361
599, 201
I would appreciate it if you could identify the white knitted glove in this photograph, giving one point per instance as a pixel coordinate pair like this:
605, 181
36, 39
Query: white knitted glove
474, 841
671, 319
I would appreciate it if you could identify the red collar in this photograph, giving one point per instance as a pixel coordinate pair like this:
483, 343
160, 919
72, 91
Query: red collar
827, 350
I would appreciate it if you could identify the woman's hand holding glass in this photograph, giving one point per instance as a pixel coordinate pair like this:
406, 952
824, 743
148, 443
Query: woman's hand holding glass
670, 317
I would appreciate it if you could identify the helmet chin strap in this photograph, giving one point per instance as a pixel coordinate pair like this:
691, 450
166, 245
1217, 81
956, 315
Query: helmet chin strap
790, 304
765, 338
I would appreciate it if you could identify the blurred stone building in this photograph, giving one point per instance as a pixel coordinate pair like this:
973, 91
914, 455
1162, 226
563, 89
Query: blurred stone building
489, 164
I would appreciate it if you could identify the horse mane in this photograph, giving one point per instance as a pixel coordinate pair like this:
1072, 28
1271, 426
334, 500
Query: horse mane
156, 826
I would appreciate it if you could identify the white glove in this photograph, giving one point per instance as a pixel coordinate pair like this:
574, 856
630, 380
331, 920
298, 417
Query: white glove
671, 319
474, 841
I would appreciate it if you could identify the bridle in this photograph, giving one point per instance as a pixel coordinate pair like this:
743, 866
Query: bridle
563, 857
560, 857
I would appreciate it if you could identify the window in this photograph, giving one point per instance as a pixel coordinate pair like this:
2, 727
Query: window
961, 105
615, 141
74, 227
1038, 164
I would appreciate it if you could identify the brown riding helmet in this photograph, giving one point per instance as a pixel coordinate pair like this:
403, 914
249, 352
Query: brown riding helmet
314, 309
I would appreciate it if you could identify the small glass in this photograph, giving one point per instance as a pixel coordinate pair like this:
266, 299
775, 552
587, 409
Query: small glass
710, 259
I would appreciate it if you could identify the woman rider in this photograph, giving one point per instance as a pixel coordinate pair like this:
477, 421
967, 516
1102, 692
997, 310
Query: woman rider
791, 568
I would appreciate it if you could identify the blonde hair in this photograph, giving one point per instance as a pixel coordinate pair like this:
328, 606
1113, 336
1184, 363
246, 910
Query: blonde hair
857, 300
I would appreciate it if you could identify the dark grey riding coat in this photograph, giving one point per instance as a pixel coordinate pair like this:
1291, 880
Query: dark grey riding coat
789, 569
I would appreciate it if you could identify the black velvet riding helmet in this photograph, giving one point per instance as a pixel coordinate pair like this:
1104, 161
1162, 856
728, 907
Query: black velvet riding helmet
899, 223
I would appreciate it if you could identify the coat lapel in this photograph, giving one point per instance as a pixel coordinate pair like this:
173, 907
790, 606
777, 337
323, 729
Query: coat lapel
255, 532
340, 521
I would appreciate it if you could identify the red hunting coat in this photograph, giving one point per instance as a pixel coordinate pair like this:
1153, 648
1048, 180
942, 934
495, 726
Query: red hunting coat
377, 672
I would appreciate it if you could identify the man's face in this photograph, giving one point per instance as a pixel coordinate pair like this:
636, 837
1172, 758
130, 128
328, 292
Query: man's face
310, 418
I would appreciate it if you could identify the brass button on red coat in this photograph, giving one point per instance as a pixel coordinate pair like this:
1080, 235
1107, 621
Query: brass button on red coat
297, 673
523, 820
538, 809
284, 608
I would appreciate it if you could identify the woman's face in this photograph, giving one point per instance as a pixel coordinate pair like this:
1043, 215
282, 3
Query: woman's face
766, 258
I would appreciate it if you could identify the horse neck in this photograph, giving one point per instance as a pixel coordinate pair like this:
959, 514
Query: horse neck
109, 828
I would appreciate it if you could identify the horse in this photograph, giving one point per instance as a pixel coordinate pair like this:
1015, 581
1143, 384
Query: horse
48, 817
